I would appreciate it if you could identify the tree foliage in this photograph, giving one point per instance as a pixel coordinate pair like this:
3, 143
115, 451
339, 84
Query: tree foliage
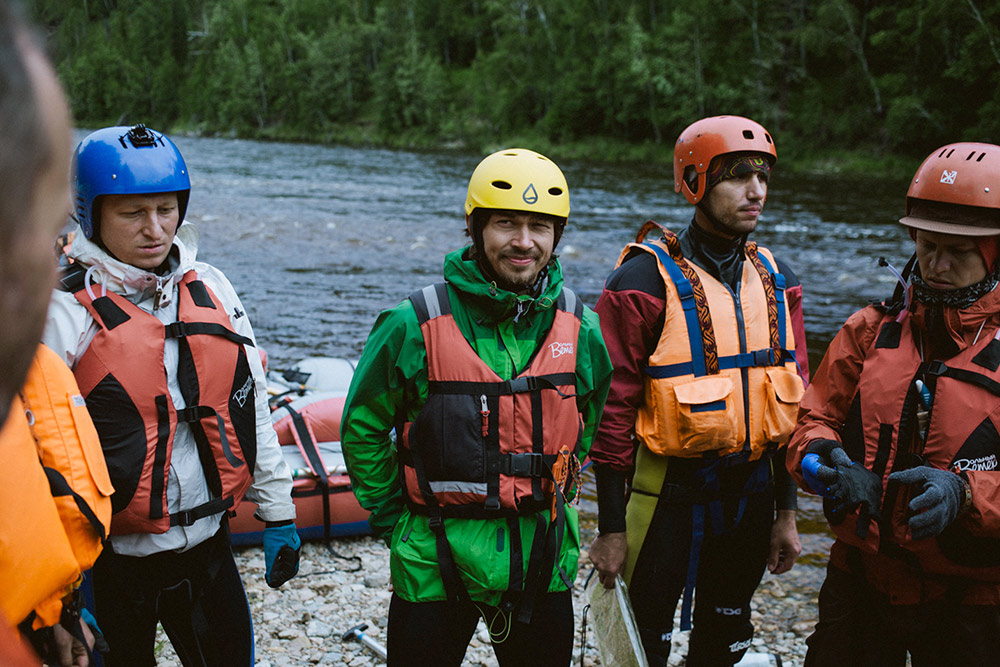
893, 76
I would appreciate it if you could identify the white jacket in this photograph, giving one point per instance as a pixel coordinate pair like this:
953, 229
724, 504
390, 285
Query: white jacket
69, 331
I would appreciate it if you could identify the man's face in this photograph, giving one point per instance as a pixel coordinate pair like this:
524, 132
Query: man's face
139, 229
28, 267
948, 261
518, 246
736, 204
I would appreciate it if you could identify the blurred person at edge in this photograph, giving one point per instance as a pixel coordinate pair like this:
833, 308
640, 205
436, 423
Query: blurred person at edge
899, 433
705, 331
166, 359
38, 564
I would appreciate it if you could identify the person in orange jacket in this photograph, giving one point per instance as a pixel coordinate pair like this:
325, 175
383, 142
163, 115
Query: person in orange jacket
38, 564
899, 433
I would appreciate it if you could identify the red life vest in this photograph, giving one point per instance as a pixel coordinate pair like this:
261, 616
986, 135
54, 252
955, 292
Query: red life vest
881, 430
480, 445
124, 382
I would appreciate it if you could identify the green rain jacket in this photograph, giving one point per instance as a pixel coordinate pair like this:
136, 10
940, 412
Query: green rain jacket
391, 380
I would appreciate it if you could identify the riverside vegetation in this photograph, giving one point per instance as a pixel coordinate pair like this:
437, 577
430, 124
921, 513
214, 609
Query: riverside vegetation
862, 84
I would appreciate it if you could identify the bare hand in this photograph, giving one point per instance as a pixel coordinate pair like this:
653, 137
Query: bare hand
69, 651
785, 546
608, 553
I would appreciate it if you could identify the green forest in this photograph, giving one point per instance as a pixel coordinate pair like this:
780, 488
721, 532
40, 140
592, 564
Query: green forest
875, 80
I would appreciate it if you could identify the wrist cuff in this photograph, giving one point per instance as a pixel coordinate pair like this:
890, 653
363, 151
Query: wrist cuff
610, 499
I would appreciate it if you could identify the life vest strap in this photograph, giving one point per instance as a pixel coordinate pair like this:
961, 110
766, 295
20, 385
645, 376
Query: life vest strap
757, 358
686, 292
182, 329
940, 369
526, 464
188, 517
519, 385
60, 487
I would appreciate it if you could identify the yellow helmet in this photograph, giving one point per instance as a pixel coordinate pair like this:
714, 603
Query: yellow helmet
518, 179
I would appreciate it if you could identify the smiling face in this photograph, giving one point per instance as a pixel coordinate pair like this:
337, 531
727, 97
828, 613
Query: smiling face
139, 229
735, 204
949, 261
517, 246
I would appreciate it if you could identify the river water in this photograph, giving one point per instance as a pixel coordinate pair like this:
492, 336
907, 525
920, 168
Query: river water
318, 239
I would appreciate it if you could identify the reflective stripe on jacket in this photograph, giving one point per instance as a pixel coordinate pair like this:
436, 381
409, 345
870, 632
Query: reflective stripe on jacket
122, 377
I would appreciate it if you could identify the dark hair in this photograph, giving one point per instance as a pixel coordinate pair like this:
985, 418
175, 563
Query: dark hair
27, 148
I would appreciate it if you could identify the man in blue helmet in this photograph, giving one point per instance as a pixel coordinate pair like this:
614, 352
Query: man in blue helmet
165, 358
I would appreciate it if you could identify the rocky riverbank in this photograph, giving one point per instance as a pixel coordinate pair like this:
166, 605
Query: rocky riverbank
346, 585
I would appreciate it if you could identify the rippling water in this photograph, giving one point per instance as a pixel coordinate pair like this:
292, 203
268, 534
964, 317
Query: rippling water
318, 239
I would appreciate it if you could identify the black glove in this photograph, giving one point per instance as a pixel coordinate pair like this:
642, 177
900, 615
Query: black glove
943, 494
847, 485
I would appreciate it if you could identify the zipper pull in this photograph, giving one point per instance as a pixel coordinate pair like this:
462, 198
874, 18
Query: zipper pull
156, 297
485, 412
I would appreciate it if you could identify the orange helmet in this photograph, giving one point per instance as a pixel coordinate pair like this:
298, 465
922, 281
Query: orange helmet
705, 139
965, 177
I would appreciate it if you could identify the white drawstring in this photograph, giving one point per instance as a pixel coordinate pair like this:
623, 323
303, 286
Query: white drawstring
86, 283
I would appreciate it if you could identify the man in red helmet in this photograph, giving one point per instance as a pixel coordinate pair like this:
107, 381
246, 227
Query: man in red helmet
900, 435
704, 330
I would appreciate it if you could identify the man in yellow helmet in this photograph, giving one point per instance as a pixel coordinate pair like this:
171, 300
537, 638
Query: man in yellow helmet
704, 331
493, 381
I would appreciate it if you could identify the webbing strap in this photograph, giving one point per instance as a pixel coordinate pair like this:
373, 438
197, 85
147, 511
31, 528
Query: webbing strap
686, 293
518, 385
159, 457
60, 487
939, 368
214, 506
182, 329
306, 443
774, 292
756, 358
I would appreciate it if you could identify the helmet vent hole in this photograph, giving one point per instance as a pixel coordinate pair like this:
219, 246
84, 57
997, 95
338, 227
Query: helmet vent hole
980, 158
950, 152
748, 134
501, 185
768, 137
555, 192
971, 155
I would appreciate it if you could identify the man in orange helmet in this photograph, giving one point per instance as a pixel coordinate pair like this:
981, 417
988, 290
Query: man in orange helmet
901, 427
704, 330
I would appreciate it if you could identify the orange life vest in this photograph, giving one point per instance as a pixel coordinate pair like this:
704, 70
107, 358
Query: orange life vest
480, 445
70, 450
124, 381
37, 565
881, 430
734, 387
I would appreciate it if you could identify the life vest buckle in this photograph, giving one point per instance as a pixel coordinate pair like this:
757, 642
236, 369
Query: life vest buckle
522, 465
936, 368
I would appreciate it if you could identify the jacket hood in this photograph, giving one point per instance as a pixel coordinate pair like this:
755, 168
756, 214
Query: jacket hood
131, 281
491, 303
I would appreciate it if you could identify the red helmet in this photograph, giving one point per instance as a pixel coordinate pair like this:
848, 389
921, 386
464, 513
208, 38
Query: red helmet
704, 139
965, 178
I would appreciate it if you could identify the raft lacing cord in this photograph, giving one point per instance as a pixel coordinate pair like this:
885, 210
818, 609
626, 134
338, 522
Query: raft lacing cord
497, 637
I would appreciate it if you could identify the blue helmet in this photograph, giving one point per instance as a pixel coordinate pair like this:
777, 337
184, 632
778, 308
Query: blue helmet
127, 161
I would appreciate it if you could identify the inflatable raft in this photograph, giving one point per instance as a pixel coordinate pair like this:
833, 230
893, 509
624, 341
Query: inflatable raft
306, 405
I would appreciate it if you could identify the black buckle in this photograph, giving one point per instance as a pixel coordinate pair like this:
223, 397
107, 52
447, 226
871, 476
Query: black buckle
183, 518
763, 357
523, 465
436, 522
523, 384
175, 330
936, 368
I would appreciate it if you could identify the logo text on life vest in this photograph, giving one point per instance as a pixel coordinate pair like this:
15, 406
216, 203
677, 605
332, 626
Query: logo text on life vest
559, 349
241, 394
530, 195
982, 463
949, 176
